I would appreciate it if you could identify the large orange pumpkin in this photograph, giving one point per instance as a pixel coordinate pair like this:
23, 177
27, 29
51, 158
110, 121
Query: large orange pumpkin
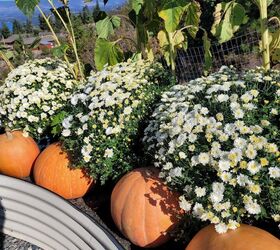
17, 154
52, 172
144, 209
244, 238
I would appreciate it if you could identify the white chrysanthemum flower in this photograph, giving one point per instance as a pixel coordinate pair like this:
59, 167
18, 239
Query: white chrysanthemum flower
221, 228
254, 167
276, 217
238, 113
232, 224
224, 165
274, 172
200, 192
253, 208
240, 143
182, 155
242, 180
203, 158
198, 210
251, 153
222, 98
184, 204
109, 153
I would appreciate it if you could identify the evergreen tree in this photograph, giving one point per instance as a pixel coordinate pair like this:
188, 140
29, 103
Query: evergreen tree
96, 11
17, 27
5, 32
28, 26
86, 15
42, 23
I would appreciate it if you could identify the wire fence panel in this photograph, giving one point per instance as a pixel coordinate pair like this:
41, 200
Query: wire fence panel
241, 52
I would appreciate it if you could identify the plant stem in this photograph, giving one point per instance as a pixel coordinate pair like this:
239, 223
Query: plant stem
75, 46
264, 33
171, 53
71, 34
56, 39
9, 134
7, 61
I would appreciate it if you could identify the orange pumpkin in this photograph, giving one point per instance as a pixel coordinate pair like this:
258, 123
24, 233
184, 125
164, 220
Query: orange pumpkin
17, 154
52, 172
244, 238
144, 209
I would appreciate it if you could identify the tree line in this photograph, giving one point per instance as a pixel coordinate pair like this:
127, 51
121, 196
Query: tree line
86, 16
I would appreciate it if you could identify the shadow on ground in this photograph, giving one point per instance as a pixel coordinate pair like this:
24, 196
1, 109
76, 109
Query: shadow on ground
2, 219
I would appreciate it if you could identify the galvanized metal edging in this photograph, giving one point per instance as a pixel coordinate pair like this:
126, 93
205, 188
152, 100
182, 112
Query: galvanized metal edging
40, 217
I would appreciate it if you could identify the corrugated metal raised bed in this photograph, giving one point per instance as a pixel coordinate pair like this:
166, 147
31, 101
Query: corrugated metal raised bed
40, 217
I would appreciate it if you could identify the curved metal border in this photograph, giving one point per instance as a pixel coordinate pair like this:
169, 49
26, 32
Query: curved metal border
40, 217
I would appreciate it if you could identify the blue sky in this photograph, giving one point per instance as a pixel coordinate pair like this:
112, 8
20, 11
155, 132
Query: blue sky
9, 10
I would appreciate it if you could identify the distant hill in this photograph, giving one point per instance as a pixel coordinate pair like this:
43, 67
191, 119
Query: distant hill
9, 10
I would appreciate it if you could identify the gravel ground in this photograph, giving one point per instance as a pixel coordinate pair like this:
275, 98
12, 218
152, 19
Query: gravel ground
10, 243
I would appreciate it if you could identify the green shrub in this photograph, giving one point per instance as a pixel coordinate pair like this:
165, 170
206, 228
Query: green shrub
217, 142
102, 122
33, 93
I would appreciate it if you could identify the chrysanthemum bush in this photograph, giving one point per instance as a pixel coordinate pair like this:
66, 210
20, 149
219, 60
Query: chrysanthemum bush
216, 141
33, 93
102, 121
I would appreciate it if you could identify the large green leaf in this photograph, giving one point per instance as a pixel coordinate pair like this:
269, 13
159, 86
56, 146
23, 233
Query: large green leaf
193, 14
27, 6
106, 27
107, 52
172, 13
60, 51
175, 41
227, 19
136, 5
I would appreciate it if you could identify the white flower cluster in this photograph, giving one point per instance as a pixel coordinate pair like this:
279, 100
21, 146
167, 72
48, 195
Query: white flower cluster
33, 93
103, 118
216, 141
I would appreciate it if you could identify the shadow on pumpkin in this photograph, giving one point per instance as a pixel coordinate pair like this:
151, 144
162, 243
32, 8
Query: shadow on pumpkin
2, 220
168, 201
161, 195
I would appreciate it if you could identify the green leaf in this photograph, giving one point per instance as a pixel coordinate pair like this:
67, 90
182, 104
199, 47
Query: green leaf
60, 51
176, 41
227, 19
106, 27
207, 52
193, 17
35, 43
162, 38
172, 13
9, 54
136, 5
27, 6
107, 52
56, 122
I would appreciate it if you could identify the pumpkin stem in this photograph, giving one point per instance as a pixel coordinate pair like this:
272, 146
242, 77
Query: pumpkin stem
9, 133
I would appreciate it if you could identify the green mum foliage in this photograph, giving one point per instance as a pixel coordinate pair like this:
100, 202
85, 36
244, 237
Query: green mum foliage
102, 122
